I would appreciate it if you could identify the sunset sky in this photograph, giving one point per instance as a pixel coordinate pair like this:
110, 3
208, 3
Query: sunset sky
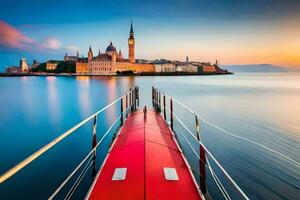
232, 31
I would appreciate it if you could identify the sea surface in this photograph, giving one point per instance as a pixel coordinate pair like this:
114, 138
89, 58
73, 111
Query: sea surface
253, 130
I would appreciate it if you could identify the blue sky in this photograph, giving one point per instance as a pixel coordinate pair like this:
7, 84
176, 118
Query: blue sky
232, 31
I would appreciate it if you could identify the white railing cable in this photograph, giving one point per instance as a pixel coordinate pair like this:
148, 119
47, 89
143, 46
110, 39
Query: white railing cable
83, 161
215, 178
79, 179
38, 153
221, 187
218, 182
213, 158
294, 162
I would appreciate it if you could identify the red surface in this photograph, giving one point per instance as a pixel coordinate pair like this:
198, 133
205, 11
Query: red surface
144, 148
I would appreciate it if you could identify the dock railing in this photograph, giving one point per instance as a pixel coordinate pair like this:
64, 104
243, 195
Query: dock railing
164, 104
127, 102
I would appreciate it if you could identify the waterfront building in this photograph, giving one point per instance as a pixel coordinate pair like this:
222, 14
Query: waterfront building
90, 54
206, 67
51, 65
183, 67
112, 62
82, 66
71, 58
35, 64
165, 67
22, 68
12, 69
209, 68
24, 65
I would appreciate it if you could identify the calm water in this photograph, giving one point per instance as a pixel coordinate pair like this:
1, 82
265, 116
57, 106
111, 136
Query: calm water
264, 108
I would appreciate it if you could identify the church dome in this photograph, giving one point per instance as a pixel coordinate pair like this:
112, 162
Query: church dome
110, 47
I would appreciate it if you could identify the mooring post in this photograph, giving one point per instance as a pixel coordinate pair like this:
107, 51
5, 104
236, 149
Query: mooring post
122, 120
154, 100
164, 102
152, 96
202, 160
202, 163
130, 101
137, 95
197, 128
126, 105
134, 99
145, 113
159, 101
94, 142
171, 114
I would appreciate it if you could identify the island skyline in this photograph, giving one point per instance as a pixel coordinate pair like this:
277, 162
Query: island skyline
233, 32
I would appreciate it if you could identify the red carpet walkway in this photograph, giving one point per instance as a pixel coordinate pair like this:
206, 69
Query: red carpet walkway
134, 168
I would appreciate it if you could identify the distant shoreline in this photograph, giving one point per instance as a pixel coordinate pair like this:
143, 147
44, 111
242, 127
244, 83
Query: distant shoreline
139, 74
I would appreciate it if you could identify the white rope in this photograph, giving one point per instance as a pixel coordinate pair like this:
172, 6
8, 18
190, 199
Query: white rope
81, 163
297, 164
216, 179
218, 182
41, 151
252, 142
213, 158
79, 179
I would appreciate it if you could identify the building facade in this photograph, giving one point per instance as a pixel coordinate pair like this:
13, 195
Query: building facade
209, 68
186, 68
165, 67
24, 65
71, 58
51, 65
112, 62
82, 66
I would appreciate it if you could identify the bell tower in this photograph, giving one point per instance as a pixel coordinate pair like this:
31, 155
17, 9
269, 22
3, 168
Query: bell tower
131, 45
90, 54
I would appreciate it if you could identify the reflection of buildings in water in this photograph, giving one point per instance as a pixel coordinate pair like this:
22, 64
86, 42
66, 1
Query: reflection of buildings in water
125, 83
27, 99
83, 78
24, 78
83, 95
111, 88
131, 81
53, 101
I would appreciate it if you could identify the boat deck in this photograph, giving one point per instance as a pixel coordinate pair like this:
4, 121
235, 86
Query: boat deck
144, 162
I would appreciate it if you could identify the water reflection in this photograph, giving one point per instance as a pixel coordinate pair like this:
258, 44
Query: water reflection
263, 108
83, 95
53, 100
111, 92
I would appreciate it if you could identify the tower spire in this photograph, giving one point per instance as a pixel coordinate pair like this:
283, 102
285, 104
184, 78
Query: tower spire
131, 28
131, 45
